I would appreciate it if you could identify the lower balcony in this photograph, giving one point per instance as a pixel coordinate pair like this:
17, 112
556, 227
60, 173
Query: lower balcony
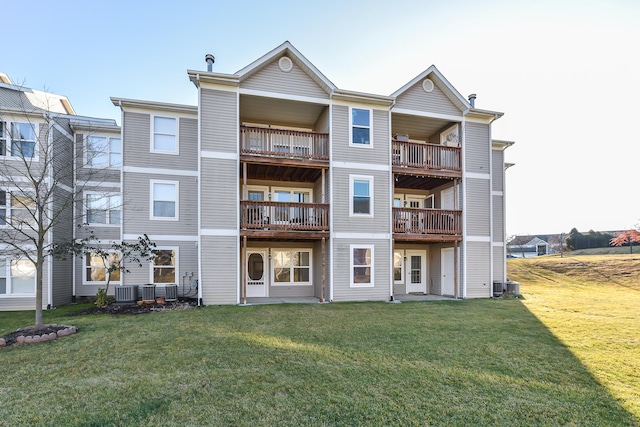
435, 225
284, 219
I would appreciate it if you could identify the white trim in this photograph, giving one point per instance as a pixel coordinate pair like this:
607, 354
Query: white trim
352, 180
65, 188
369, 236
497, 193
176, 265
286, 96
174, 152
164, 237
176, 184
484, 239
462, 285
63, 131
9, 280
427, 114
371, 284
99, 184
476, 175
199, 201
369, 145
102, 194
497, 244
85, 158
331, 219
218, 155
85, 282
402, 269
160, 171
272, 267
229, 232
363, 166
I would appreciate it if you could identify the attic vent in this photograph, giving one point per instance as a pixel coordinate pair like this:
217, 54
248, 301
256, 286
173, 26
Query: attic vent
427, 85
285, 64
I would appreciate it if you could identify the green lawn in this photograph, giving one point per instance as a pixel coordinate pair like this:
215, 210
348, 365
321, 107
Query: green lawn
467, 363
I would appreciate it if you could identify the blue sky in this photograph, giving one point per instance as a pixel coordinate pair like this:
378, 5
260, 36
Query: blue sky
565, 73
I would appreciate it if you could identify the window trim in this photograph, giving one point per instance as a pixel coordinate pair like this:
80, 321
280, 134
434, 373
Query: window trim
108, 211
152, 217
9, 280
291, 267
402, 256
7, 137
371, 283
95, 283
152, 148
87, 161
352, 180
370, 127
176, 265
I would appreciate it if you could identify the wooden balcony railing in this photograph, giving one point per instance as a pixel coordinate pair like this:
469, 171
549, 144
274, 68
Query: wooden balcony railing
427, 221
284, 216
426, 156
284, 143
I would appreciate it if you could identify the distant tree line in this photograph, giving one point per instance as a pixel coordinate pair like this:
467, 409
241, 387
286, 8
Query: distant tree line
591, 239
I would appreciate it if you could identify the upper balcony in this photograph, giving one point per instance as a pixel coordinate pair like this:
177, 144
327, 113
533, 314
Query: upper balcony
284, 147
284, 219
434, 225
415, 158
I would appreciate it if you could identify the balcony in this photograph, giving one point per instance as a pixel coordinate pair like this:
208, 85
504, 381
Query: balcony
284, 219
281, 143
427, 224
419, 158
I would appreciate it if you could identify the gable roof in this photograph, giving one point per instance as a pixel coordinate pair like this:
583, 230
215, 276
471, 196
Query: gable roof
22, 99
287, 49
442, 83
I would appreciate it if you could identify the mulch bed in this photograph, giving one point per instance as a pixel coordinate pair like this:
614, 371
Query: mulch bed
33, 331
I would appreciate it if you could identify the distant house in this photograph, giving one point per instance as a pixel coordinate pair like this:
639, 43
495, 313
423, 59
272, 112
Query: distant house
527, 247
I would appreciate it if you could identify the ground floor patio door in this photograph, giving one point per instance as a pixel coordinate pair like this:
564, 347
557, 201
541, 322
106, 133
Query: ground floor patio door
256, 273
416, 272
448, 272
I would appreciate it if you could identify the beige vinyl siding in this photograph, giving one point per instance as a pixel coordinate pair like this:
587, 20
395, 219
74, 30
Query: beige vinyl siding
84, 172
219, 193
219, 125
62, 160
295, 82
477, 147
477, 212
498, 219
342, 290
497, 166
62, 231
219, 281
341, 150
499, 274
415, 98
479, 283
342, 221
137, 201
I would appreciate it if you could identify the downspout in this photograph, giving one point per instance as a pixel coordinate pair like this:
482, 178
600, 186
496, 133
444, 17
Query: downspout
199, 175
392, 188
50, 213
74, 212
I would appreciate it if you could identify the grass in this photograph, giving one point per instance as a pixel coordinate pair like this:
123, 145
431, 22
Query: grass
449, 363
591, 303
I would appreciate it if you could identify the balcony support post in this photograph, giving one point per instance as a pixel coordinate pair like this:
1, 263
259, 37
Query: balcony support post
324, 263
456, 291
243, 269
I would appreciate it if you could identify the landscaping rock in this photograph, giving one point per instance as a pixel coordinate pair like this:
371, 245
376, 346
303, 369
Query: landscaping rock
2, 342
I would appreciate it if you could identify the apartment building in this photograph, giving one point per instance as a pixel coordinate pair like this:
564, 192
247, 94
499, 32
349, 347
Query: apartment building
278, 185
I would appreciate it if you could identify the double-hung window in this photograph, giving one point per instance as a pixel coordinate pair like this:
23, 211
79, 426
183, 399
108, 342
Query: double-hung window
361, 265
3, 207
96, 269
22, 209
164, 266
291, 267
361, 195
104, 151
103, 208
164, 135
164, 200
23, 139
17, 276
361, 127
3, 139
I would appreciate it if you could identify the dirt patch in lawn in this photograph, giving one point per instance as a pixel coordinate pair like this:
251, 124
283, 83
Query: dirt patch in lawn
134, 308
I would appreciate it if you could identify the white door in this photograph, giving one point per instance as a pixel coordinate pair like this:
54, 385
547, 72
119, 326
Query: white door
446, 199
448, 272
416, 272
256, 277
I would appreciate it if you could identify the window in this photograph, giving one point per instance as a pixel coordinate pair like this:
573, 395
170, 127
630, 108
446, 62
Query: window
22, 209
360, 127
291, 267
103, 208
361, 198
23, 139
17, 276
164, 200
103, 151
164, 266
164, 135
3, 207
3, 139
96, 271
398, 264
361, 265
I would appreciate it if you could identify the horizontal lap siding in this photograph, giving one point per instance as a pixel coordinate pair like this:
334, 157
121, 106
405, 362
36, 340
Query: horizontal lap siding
415, 98
477, 147
342, 222
342, 152
219, 121
342, 291
499, 274
62, 279
498, 219
477, 208
479, 283
62, 155
219, 194
295, 82
219, 281
497, 166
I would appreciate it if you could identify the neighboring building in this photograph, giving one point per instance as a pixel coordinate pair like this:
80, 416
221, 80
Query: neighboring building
278, 184
528, 246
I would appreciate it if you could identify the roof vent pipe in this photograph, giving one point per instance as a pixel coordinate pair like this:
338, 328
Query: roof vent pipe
472, 100
210, 60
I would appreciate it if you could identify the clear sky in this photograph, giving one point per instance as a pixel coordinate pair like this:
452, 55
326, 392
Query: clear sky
564, 72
